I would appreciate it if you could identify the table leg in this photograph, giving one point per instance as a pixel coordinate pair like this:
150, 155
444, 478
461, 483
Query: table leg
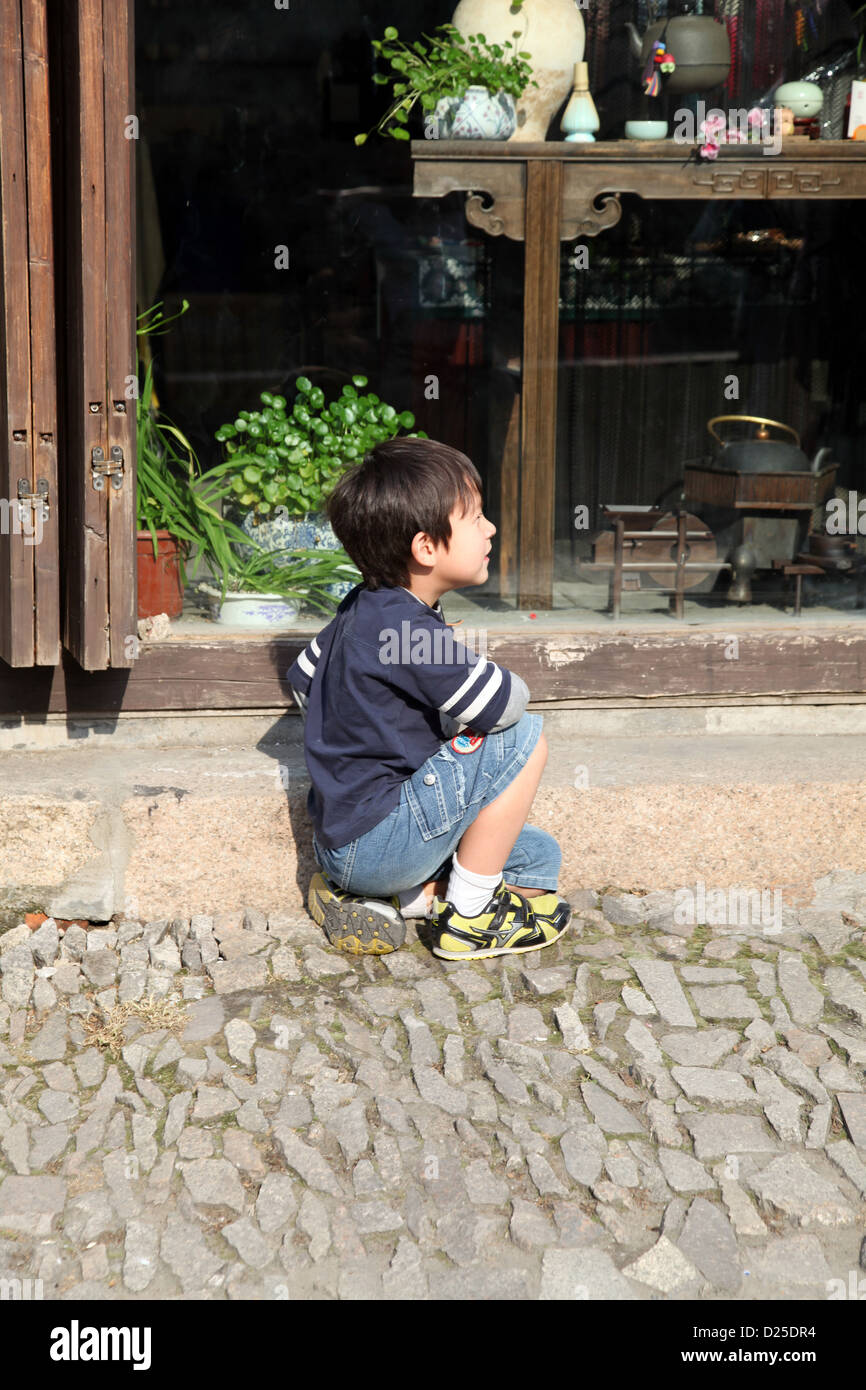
540, 364
679, 596
508, 501
616, 573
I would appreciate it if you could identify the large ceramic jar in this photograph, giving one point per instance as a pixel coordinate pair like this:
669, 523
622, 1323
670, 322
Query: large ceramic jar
552, 31
284, 532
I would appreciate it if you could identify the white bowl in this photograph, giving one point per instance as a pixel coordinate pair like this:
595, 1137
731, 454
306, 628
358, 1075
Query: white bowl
646, 130
258, 610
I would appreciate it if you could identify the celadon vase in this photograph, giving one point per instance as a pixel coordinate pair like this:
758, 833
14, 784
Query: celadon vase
552, 31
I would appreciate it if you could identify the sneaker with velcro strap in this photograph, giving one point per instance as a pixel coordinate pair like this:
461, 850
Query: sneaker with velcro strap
508, 925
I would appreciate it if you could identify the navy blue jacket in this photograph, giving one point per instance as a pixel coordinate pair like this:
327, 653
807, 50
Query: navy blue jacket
385, 683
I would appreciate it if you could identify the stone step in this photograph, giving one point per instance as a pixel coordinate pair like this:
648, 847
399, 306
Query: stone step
162, 830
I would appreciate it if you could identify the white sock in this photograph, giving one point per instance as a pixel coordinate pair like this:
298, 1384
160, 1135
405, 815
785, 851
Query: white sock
470, 892
414, 902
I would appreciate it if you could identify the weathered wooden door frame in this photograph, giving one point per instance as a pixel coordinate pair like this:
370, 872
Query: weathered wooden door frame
29, 575
97, 130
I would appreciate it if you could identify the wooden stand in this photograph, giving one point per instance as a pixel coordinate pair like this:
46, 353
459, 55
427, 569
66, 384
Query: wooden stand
678, 539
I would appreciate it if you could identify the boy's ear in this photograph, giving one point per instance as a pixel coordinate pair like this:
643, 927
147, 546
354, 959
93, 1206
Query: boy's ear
423, 549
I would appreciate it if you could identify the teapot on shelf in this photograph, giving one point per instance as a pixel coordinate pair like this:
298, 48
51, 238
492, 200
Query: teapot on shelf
698, 45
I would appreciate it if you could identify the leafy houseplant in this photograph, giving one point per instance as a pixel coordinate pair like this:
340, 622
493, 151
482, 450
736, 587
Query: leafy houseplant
290, 459
173, 495
443, 65
282, 462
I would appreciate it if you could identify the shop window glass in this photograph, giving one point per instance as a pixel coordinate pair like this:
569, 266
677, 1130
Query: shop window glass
302, 254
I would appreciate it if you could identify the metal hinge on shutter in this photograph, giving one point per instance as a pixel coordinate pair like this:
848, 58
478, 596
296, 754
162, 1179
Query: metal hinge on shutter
37, 499
113, 468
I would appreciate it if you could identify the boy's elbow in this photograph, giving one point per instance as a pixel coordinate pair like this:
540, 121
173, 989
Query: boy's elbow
518, 700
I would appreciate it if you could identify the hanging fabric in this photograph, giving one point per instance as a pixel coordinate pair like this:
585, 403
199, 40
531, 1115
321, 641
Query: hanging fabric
598, 44
769, 44
728, 11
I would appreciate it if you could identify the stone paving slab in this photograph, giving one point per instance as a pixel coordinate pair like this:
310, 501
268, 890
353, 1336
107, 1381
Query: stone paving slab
223, 1107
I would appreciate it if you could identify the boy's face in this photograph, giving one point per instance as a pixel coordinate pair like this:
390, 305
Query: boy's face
466, 559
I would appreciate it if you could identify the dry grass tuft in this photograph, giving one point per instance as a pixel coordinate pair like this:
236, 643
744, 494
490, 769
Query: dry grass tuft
107, 1030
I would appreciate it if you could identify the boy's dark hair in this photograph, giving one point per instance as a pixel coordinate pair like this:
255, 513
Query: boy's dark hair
401, 487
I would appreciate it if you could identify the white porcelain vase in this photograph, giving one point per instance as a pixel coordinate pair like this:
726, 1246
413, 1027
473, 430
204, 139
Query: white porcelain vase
552, 31
477, 115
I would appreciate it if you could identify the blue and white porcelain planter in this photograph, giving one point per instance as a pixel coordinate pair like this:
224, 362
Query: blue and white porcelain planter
258, 611
284, 532
478, 115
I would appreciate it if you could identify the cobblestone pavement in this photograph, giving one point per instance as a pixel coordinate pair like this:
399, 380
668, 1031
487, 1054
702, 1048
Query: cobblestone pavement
225, 1107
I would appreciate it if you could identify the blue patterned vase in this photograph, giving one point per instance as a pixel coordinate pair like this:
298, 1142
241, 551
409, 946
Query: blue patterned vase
478, 115
284, 532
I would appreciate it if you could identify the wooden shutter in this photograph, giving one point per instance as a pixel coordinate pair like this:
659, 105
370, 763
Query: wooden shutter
95, 99
29, 588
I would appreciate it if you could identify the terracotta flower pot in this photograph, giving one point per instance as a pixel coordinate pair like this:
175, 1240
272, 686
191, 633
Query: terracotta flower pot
159, 584
552, 31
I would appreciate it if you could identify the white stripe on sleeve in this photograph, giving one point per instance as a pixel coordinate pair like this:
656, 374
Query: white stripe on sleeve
306, 666
483, 698
470, 680
315, 648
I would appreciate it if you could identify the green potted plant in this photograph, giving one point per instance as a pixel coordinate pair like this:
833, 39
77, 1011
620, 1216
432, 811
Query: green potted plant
177, 506
267, 589
282, 461
467, 88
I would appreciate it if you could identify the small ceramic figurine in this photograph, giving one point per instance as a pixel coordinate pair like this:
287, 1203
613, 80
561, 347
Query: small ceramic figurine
785, 118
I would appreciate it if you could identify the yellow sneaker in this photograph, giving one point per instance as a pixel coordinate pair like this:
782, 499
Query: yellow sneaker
359, 926
552, 908
508, 925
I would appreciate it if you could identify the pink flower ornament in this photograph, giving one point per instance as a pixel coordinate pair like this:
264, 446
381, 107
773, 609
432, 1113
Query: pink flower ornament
712, 131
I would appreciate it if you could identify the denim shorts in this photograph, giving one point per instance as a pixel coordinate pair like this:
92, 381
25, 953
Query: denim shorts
415, 842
